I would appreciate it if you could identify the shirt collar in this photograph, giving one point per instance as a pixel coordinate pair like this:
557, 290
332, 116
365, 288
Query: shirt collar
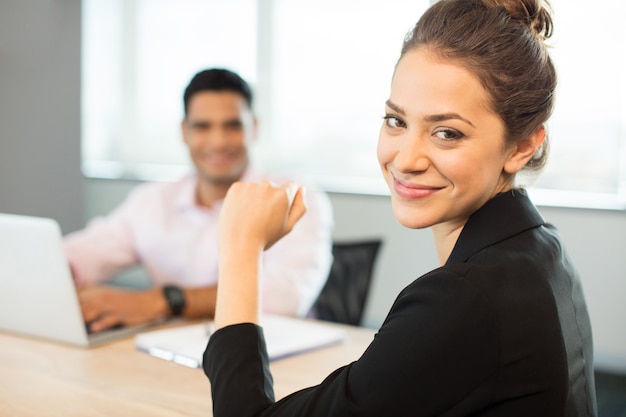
505, 215
186, 197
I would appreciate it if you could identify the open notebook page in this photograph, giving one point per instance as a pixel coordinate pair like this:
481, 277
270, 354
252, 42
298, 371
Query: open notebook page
284, 337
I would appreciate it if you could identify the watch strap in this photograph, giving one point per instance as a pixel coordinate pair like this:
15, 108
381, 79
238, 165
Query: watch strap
175, 298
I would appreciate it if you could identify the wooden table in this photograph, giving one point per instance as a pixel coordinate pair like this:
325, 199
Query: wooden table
40, 378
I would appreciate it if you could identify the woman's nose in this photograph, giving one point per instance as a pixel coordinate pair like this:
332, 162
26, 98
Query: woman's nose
412, 155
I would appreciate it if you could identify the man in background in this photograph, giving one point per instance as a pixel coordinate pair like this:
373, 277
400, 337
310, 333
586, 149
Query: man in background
171, 228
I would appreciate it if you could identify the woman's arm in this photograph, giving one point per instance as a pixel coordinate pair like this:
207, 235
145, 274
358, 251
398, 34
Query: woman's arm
436, 353
253, 218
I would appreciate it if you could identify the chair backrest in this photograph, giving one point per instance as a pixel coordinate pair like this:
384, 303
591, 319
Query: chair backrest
343, 298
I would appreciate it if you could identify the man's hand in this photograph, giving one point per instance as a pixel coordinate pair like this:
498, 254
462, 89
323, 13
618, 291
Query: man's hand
105, 306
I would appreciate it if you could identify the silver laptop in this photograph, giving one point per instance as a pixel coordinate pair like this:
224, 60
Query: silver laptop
37, 293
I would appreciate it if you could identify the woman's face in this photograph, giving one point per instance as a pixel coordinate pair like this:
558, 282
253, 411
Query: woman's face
441, 149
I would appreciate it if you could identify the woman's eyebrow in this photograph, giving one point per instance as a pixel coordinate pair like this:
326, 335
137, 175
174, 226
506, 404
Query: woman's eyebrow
430, 118
447, 116
395, 107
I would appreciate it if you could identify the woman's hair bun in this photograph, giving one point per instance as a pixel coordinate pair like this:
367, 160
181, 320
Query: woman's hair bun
536, 14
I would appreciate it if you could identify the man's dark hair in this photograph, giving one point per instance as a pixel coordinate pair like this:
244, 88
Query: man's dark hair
217, 79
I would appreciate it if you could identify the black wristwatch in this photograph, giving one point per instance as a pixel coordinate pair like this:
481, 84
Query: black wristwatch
175, 298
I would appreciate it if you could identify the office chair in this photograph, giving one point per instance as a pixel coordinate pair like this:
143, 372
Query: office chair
342, 300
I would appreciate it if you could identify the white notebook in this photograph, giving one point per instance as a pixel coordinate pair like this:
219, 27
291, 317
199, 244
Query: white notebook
284, 337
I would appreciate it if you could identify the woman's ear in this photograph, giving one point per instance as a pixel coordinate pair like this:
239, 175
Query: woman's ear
523, 150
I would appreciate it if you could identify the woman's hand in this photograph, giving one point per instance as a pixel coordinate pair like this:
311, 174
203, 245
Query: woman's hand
253, 218
259, 214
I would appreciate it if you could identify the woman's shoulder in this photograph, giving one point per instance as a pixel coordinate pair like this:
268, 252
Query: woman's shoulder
492, 289
446, 290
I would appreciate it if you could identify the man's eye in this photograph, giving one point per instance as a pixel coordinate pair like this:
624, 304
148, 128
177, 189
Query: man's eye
393, 121
234, 126
448, 134
199, 126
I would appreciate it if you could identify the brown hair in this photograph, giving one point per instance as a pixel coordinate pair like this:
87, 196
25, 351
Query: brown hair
502, 43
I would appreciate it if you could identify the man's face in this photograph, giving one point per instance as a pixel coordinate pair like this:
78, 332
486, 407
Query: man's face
217, 130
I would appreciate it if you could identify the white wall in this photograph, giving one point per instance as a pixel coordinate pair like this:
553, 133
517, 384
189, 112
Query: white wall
594, 238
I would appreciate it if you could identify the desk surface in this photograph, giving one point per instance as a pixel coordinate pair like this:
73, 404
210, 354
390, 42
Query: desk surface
40, 378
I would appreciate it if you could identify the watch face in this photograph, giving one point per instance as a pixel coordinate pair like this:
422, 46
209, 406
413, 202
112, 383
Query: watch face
175, 299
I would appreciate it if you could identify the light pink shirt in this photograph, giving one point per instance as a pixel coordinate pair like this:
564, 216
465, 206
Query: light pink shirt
160, 227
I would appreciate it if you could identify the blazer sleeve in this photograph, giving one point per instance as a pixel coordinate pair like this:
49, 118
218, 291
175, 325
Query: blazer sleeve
436, 351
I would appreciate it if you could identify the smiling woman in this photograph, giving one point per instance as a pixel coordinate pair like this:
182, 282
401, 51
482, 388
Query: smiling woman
444, 135
501, 327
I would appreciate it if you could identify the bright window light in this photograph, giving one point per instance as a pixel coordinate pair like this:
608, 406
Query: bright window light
321, 71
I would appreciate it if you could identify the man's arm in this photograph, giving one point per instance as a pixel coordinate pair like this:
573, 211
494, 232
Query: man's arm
106, 246
105, 306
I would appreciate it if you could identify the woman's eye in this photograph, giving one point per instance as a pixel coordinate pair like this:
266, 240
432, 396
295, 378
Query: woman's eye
394, 122
448, 134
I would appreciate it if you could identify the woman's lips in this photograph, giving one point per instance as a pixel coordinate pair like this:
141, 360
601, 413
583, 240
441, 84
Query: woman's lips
413, 191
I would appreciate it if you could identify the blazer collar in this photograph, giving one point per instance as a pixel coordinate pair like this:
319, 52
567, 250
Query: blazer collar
505, 215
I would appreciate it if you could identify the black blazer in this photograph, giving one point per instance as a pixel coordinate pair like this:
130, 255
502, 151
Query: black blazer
500, 330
